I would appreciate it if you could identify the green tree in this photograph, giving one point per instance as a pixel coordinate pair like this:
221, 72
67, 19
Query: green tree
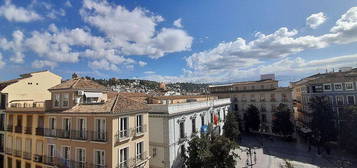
348, 138
210, 151
251, 118
231, 127
282, 124
322, 124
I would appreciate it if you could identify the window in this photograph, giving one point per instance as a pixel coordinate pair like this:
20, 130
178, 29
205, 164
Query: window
124, 154
252, 98
338, 86
100, 129
51, 152
327, 87
351, 100
139, 124
52, 126
193, 125
39, 148
82, 126
236, 107
57, 100
66, 127
349, 85
28, 146
81, 157
124, 127
182, 130
339, 100
202, 120
139, 150
262, 97
273, 107
65, 100
99, 156
66, 155
263, 108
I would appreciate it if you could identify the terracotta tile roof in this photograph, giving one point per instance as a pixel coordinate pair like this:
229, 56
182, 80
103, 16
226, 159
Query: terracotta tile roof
80, 84
116, 104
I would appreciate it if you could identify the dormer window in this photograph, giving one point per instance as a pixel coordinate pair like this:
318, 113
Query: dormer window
56, 102
65, 100
92, 97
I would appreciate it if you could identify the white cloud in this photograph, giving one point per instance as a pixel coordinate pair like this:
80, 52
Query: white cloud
149, 72
103, 64
39, 64
54, 13
178, 23
239, 55
68, 4
18, 14
134, 31
315, 20
142, 63
15, 46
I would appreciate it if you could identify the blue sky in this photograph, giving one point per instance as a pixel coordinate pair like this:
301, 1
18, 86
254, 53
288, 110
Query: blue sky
197, 41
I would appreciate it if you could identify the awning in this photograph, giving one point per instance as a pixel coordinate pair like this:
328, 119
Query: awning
93, 94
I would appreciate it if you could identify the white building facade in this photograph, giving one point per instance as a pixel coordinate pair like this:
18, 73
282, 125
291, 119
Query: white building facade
172, 126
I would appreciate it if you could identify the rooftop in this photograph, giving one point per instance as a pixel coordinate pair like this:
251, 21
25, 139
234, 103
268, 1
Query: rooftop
116, 104
79, 84
245, 83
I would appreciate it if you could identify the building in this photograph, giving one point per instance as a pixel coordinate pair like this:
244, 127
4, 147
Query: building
175, 119
339, 87
24, 101
77, 124
265, 94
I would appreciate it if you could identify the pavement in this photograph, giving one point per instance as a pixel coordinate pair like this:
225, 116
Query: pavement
273, 153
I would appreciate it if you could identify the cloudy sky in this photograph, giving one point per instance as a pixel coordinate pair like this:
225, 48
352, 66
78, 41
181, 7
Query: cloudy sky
195, 41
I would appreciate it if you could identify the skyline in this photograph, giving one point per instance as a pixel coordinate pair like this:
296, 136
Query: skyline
178, 41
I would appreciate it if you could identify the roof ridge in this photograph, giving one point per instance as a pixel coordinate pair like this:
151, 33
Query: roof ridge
75, 83
115, 103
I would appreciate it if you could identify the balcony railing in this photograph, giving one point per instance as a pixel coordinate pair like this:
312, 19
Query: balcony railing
40, 131
63, 163
18, 129
2, 149
28, 130
140, 130
27, 155
134, 162
76, 134
122, 135
17, 153
9, 151
10, 128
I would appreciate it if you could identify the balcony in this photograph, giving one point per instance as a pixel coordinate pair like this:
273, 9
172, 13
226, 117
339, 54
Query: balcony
10, 128
27, 155
25, 106
66, 134
141, 158
134, 162
49, 160
140, 130
40, 131
122, 135
79, 135
50, 132
99, 136
2, 149
17, 153
18, 129
28, 130
9, 151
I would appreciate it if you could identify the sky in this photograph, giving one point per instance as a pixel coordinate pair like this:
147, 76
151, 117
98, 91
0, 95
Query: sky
201, 41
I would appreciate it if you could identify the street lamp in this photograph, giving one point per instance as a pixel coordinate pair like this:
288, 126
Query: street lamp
251, 153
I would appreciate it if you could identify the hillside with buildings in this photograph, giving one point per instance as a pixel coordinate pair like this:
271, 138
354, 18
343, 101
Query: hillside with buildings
147, 86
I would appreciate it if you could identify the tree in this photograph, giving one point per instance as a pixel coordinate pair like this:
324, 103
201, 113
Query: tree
322, 124
210, 151
251, 118
282, 124
231, 127
348, 138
